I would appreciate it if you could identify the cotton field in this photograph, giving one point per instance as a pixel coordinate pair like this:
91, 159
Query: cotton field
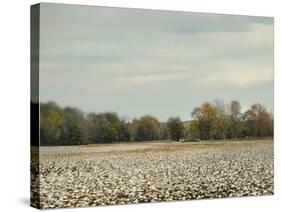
108, 174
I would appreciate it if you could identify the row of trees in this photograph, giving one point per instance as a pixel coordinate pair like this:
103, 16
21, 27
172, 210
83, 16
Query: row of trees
70, 126
220, 121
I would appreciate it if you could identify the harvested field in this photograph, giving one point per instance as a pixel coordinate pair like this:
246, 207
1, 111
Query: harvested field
152, 172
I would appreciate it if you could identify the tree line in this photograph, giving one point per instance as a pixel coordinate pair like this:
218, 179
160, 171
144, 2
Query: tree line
70, 126
220, 121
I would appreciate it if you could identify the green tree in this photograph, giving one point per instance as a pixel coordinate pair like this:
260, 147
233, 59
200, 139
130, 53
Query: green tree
259, 122
91, 127
195, 126
176, 128
148, 129
106, 128
249, 118
164, 132
73, 127
124, 131
236, 126
51, 117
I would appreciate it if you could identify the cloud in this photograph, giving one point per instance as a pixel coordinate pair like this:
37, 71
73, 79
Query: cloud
241, 78
94, 57
147, 79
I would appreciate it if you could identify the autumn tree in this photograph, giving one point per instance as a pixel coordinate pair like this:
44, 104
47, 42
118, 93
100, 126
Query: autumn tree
221, 121
204, 118
133, 128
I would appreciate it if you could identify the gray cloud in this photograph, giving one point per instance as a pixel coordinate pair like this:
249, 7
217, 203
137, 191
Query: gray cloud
164, 63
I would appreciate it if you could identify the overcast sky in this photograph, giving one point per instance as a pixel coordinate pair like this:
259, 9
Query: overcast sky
137, 62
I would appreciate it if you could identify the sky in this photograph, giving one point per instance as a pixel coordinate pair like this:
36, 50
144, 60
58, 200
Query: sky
163, 63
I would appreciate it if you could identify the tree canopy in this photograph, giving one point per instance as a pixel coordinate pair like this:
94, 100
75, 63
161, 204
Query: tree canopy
210, 121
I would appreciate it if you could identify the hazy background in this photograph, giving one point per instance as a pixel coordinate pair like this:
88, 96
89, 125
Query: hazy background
137, 62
